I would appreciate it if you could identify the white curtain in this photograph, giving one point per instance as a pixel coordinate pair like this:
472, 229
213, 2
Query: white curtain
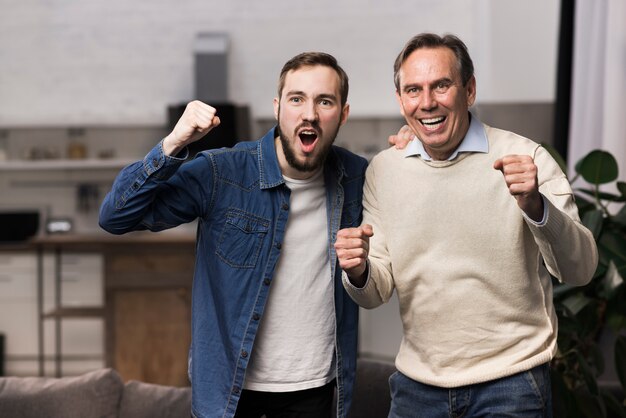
598, 107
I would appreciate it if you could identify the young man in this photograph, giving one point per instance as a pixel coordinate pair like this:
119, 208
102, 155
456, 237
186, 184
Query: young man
466, 225
273, 331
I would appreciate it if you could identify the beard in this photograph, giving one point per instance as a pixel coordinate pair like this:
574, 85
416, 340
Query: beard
317, 160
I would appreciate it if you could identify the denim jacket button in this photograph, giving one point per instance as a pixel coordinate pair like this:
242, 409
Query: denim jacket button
278, 245
285, 206
266, 282
256, 316
236, 389
244, 354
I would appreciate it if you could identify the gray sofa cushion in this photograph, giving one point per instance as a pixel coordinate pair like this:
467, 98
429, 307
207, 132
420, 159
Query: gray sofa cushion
147, 400
93, 395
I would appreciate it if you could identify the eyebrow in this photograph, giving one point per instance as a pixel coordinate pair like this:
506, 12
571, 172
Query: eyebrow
319, 96
445, 80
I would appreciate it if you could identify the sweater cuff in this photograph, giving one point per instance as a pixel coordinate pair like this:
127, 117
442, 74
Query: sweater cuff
544, 218
348, 284
552, 224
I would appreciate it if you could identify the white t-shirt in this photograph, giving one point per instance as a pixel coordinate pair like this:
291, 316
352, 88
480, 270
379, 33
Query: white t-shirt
294, 346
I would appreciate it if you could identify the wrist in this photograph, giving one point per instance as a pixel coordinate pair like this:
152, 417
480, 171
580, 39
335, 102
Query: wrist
358, 277
170, 146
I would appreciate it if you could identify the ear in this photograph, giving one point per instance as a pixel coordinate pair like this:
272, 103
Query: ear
276, 106
344, 114
399, 99
471, 91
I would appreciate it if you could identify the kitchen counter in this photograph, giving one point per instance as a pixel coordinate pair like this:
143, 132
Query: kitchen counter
101, 240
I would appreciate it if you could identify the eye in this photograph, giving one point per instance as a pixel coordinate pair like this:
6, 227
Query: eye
295, 99
412, 91
326, 102
442, 87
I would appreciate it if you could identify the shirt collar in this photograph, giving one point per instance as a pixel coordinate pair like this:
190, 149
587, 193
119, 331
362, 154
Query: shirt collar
475, 141
269, 170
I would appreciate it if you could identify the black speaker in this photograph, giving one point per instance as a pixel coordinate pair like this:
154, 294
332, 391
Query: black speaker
2, 359
234, 126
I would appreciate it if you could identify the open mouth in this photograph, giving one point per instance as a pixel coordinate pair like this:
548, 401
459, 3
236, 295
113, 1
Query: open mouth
308, 139
432, 124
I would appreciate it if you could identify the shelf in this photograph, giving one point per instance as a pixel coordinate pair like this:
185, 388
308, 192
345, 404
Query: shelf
86, 164
78, 312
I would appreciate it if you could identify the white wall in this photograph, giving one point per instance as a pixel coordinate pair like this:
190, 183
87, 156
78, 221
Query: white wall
121, 62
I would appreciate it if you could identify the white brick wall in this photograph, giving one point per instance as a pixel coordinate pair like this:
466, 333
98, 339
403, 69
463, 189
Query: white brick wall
121, 62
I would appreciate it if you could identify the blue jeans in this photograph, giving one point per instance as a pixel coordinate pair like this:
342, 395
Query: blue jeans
523, 395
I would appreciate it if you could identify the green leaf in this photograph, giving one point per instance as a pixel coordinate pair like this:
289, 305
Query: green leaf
613, 246
588, 320
576, 302
612, 281
621, 186
620, 359
562, 289
611, 197
620, 217
616, 321
557, 157
598, 167
594, 220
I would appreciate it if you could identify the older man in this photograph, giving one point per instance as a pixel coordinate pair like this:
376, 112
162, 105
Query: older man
467, 225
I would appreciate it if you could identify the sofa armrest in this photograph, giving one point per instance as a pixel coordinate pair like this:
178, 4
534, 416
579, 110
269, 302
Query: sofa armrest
92, 395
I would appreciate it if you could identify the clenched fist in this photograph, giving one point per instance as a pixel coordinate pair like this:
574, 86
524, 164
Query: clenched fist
520, 176
197, 120
352, 247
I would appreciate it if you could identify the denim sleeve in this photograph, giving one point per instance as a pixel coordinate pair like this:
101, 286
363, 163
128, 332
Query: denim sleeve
156, 193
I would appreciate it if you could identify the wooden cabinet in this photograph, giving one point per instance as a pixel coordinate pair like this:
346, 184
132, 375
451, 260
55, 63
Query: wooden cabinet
72, 312
18, 311
26, 297
69, 304
148, 300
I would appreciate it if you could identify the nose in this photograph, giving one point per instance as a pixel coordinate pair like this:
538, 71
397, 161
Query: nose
428, 102
309, 112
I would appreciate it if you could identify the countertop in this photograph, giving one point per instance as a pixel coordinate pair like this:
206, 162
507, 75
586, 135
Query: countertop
101, 240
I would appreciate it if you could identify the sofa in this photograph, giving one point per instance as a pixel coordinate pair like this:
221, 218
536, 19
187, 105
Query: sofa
103, 394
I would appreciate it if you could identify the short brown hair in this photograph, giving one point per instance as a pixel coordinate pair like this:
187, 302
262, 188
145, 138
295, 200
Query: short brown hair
431, 40
311, 59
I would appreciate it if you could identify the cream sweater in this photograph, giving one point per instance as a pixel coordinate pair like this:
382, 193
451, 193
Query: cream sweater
467, 265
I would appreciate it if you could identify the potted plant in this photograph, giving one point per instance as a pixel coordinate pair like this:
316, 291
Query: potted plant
586, 312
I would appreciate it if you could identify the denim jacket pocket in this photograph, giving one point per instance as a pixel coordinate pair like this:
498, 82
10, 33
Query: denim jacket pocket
241, 239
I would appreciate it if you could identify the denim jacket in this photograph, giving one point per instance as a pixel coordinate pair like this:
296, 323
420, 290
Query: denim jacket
242, 203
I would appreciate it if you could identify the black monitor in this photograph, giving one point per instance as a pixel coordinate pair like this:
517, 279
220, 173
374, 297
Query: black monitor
234, 126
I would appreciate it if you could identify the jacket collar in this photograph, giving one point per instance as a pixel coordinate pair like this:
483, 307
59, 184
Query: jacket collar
269, 169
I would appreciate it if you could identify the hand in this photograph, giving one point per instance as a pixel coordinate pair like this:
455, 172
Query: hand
352, 247
197, 120
402, 138
520, 175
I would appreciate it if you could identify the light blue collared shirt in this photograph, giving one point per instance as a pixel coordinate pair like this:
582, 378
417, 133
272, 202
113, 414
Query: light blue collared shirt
475, 141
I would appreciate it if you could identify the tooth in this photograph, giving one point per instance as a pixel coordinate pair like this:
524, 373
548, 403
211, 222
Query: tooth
433, 120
